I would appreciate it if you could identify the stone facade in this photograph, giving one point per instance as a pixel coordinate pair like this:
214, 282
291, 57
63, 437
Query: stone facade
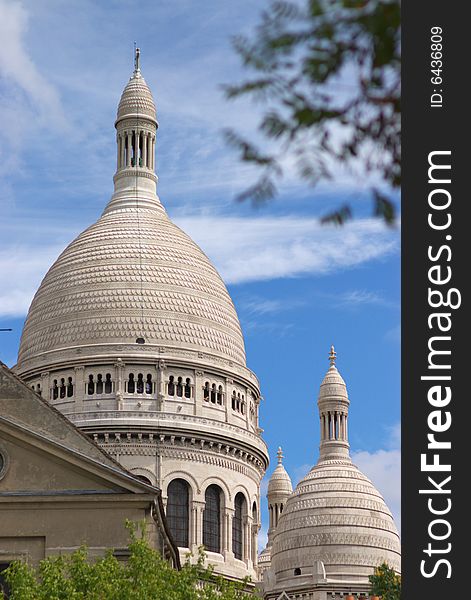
133, 336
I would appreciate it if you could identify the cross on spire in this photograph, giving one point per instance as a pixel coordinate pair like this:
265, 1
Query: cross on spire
137, 54
332, 356
280, 455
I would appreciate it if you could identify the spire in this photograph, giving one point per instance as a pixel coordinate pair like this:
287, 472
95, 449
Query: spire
279, 490
136, 125
280, 455
332, 356
137, 54
333, 406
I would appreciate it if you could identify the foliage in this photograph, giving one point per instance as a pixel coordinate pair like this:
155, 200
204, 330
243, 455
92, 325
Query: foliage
386, 583
329, 73
145, 576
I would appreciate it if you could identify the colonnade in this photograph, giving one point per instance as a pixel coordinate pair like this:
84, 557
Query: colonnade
136, 148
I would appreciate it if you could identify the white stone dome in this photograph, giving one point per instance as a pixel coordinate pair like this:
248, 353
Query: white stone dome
279, 483
335, 515
335, 523
136, 100
106, 290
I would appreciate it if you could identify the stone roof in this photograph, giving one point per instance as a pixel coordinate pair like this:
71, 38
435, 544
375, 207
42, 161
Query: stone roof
136, 99
335, 515
108, 289
279, 483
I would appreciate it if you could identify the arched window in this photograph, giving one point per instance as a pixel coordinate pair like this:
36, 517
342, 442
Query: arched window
212, 519
238, 525
179, 388
219, 395
70, 388
62, 389
233, 400
39, 390
140, 383
188, 389
90, 386
178, 511
108, 384
144, 479
131, 384
99, 384
149, 384
171, 386
206, 391
213, 393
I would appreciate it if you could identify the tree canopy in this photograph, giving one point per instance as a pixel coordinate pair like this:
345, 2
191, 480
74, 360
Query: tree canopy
386, 583
328, 72
144, 576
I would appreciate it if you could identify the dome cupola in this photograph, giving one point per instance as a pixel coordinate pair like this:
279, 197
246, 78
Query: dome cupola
335, 527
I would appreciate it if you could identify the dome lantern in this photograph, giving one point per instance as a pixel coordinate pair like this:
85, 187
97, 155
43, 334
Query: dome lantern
136, 127
333, 406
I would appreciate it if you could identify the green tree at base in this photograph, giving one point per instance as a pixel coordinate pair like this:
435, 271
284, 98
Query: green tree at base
145, 576
385, 582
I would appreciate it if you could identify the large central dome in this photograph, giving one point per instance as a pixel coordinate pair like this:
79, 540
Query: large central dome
133, 275
107, 289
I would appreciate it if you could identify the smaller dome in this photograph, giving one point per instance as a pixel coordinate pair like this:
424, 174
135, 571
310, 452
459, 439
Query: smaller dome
333, 387
280, 482
136, 99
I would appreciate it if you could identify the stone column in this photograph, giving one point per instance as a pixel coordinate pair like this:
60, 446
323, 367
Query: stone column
228, 516
128, 149
160, 385
79, 387
247, 541
123, 150
198, 394
144, 150
45, 386
119, 383
197, 529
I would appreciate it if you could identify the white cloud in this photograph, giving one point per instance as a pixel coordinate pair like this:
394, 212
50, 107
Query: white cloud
243, 249
251, 249
21, 271
27, 100
383, 467
354, 298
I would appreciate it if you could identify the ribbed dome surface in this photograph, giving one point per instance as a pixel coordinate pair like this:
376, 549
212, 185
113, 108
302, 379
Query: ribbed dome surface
137, 99
111, 286
280, 482
337, 516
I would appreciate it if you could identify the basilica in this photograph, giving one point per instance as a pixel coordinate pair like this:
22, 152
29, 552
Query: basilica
133, 338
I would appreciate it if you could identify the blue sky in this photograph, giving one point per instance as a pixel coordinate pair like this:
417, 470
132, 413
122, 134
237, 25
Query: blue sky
298, 287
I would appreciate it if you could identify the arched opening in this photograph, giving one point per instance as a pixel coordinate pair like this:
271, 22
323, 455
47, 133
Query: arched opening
131, 384
297, 571
149, 384
219, 395
90, 386
179, 388
70, 388
140, 383
188, 388
62, 390
108, 384
206, 391
171, 386
212, 519
238, 525
178, 497
213, 393
99, 384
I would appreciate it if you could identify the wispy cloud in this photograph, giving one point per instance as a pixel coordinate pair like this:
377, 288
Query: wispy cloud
354, 298
243, 249
27, 99
249, 249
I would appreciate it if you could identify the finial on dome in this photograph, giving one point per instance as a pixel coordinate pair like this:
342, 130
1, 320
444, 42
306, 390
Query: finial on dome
280, 455
137, 54
332, 356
